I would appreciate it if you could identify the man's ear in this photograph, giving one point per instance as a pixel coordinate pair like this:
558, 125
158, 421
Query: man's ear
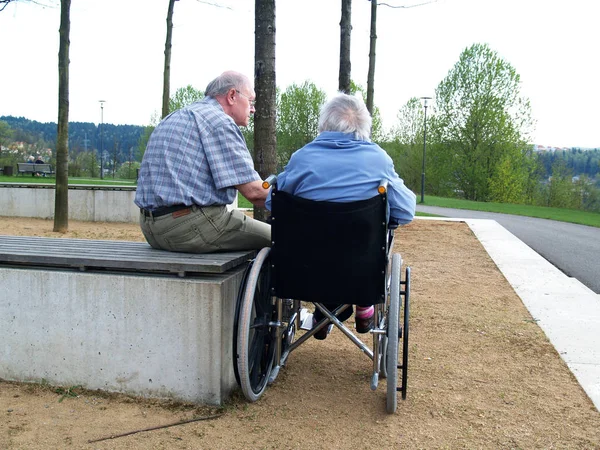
230, 96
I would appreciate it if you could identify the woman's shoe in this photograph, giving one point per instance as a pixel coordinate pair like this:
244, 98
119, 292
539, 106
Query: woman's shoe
365, 324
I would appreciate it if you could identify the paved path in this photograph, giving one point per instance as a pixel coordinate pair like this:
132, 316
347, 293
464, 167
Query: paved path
567, 311
574, 249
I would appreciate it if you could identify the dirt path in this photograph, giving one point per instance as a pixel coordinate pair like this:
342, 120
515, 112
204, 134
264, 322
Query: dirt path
482, 375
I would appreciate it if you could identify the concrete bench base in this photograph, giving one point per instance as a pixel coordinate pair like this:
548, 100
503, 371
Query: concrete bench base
153, 335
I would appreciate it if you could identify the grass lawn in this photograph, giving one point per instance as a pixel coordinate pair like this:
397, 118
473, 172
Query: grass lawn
542, 212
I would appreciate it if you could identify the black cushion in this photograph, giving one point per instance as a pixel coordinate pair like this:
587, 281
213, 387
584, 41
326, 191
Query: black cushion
329, 252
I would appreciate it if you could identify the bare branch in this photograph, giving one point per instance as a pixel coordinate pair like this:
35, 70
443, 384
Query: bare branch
4, 3
408, 6
215, 4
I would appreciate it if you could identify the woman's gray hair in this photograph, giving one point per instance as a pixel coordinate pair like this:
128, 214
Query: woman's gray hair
347, 114
226, 81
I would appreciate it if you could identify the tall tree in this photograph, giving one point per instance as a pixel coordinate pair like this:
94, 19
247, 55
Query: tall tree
61, 200
372, 42
345, 32
167, 69
265, 140
482, 119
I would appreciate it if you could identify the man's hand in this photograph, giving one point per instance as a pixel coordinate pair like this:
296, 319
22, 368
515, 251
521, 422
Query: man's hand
254, 192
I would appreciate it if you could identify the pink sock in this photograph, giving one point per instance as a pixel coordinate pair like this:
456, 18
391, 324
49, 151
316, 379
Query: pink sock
364, 312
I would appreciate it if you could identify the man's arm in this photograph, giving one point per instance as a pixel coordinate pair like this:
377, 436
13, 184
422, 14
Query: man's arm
254, 192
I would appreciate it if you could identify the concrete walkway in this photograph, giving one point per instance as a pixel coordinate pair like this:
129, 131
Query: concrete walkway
567, 311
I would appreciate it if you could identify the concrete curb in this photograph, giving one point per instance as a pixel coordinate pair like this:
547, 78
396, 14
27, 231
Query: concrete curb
567, 311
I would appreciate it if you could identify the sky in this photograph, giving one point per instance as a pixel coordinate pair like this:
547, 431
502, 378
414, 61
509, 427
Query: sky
117, 54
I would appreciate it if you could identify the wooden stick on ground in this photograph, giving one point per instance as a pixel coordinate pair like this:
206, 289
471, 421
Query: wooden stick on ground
181, 422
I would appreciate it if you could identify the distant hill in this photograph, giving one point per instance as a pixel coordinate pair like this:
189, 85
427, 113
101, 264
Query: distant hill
543, 148
82, 135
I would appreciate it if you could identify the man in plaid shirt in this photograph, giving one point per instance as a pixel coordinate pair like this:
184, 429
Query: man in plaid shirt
195, 163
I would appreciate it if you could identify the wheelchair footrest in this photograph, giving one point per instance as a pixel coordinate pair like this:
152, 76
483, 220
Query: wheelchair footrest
306, 320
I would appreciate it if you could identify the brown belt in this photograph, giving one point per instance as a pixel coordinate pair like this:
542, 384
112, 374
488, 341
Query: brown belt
164, 210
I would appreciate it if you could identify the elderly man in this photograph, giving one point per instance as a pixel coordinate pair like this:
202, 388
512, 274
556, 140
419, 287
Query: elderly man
195, 163
343, 165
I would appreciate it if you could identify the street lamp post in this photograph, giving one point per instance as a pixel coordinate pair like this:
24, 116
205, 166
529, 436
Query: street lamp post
102, 138
425, 100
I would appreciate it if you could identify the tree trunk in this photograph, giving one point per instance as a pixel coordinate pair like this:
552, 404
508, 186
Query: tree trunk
345, 32
167, 71
371, 76
265, 138
61, 200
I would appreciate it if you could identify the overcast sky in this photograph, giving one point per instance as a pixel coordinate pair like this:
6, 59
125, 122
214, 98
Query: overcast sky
117, 54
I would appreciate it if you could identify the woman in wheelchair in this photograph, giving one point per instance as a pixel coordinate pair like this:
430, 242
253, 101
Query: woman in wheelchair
342, 165
332, 213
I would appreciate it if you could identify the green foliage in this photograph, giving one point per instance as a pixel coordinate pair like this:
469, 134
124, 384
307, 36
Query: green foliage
507, 185
184, 96
560, 187
297, 118
248, 133
85, 164
6, 133
143, 140
406, 145
482, 121
67, 392
128, 170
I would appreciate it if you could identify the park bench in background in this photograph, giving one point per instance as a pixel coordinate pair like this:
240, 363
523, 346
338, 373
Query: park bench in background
43, 169
119, 316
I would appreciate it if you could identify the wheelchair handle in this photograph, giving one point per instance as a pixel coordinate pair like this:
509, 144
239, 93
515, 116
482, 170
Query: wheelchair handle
382, 188
271, 180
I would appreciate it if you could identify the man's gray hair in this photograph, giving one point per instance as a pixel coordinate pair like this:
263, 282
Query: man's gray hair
226, 81
347, 114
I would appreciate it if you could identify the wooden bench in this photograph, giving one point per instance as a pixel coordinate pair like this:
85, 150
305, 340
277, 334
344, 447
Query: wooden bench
42, 169
119, 316
118, 256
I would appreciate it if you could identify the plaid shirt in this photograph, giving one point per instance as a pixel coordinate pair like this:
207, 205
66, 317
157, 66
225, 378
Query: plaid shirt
194, 156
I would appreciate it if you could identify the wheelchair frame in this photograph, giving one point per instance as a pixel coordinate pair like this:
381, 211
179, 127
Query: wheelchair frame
265, 326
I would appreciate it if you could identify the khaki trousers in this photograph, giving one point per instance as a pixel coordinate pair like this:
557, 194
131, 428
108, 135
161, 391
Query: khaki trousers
204, 230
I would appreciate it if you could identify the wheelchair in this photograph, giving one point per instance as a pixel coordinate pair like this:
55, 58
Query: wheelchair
333, 255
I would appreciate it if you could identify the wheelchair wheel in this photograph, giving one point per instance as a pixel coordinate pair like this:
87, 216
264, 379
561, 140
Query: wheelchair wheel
405, 334
392, 335
256, 331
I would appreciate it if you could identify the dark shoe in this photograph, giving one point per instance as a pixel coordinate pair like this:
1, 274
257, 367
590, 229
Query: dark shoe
323, 332
318, 316
342, 317
366, 324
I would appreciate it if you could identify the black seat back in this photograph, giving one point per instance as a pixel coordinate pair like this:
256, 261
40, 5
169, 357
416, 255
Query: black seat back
329, 252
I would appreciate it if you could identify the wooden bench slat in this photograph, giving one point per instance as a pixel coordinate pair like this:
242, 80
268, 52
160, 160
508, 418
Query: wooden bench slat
114, 255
